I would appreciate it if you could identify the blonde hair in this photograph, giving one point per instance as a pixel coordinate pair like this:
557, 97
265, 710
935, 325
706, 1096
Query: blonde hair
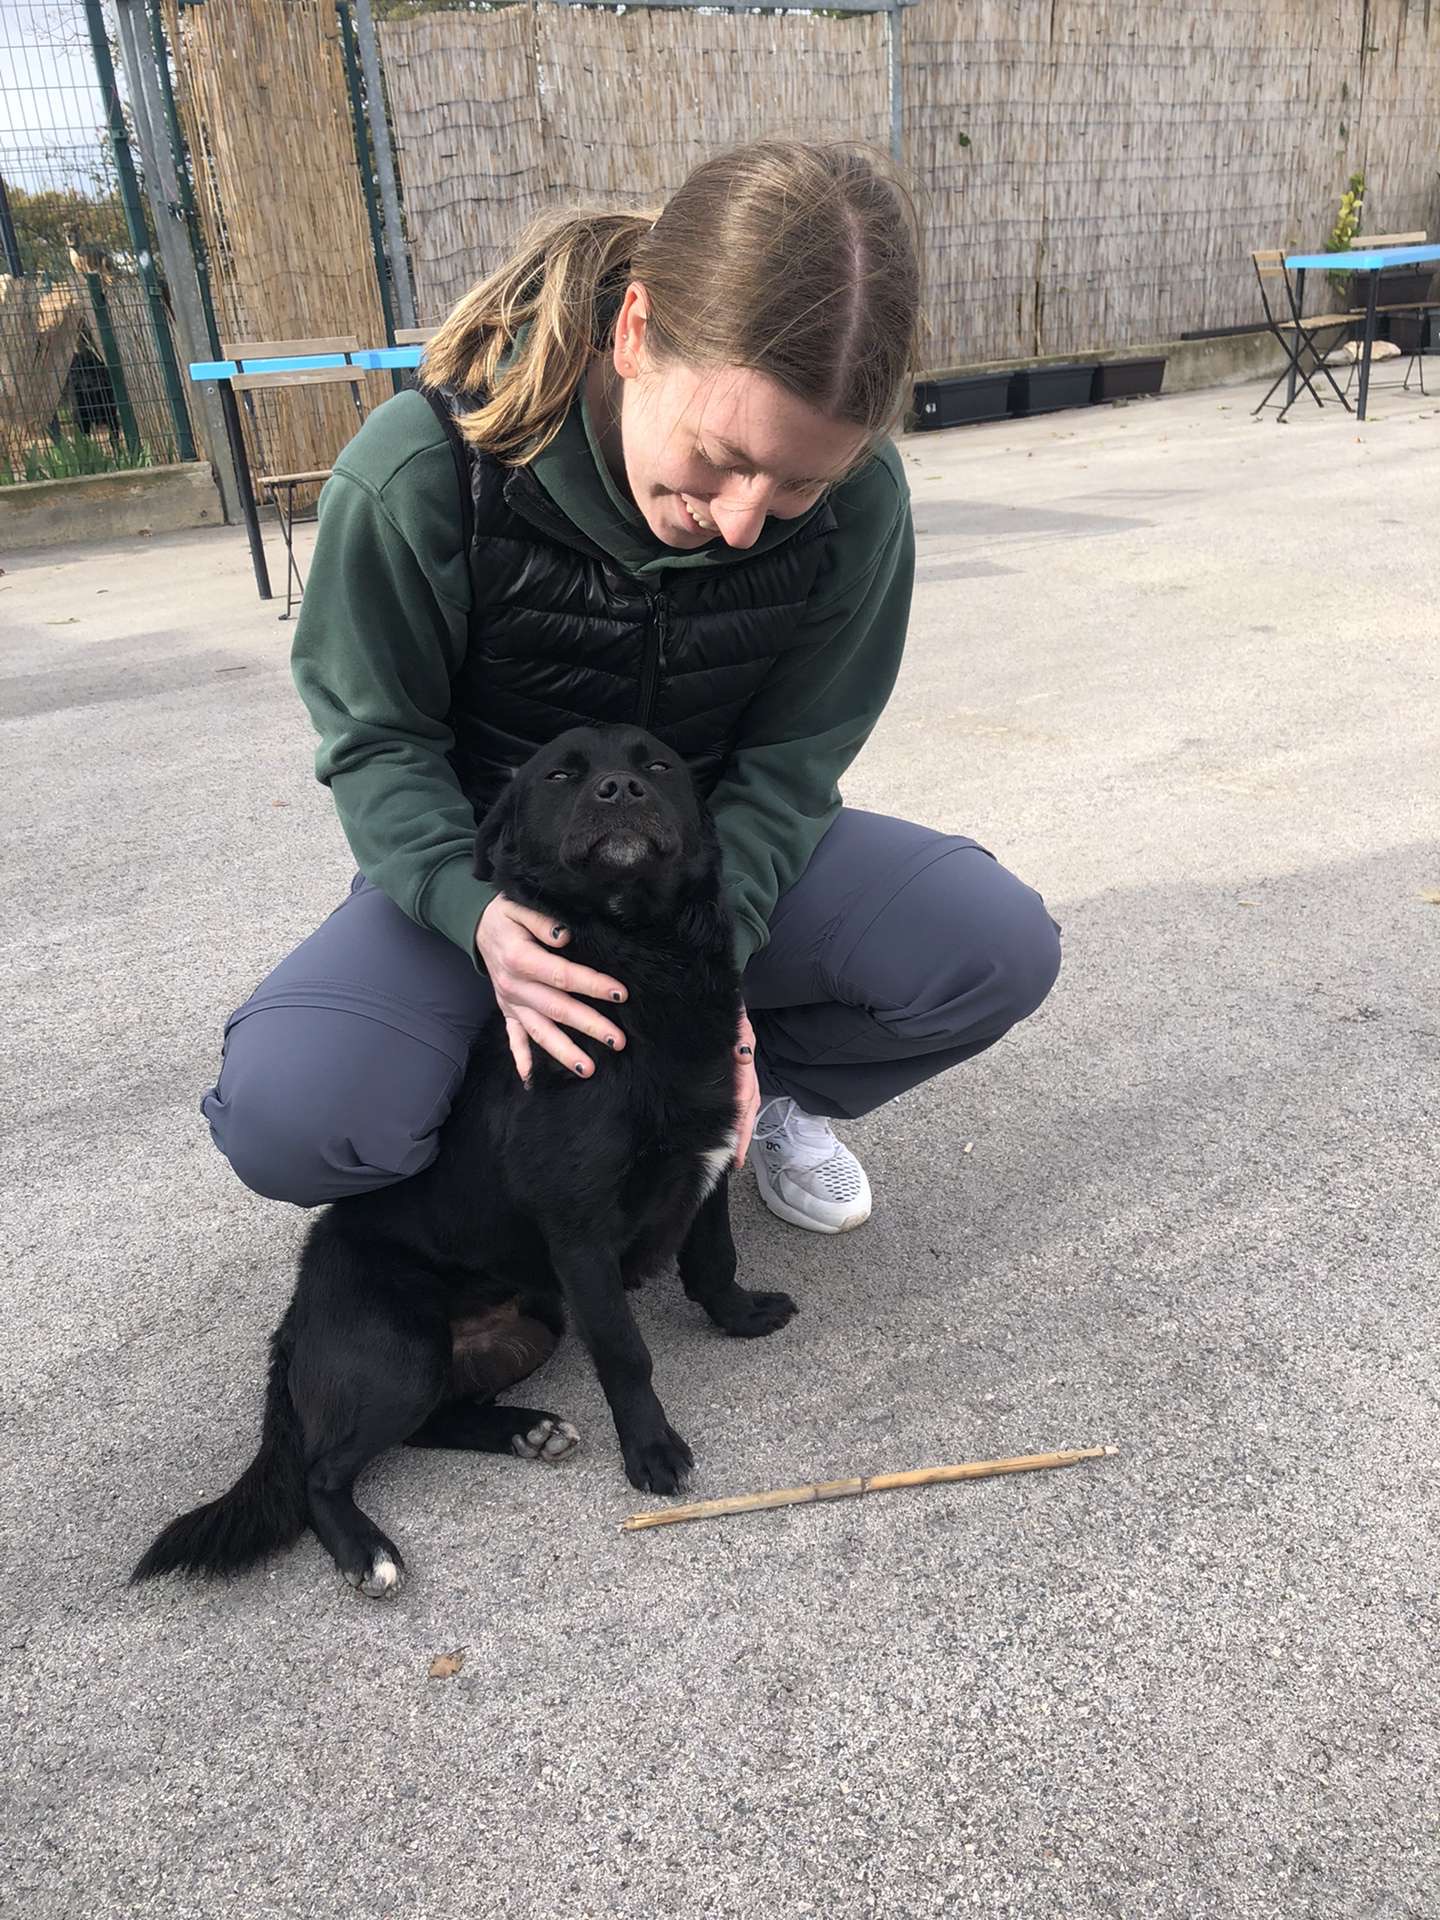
797, 259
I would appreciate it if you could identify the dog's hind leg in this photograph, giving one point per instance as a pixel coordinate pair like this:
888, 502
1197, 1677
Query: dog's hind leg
707, 1270
371, 1363
494, 1344
475, 1427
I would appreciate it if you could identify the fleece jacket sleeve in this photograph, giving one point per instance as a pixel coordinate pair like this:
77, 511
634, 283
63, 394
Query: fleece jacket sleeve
377, 645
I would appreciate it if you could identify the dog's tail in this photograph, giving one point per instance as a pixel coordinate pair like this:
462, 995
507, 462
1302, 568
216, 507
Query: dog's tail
266, 1508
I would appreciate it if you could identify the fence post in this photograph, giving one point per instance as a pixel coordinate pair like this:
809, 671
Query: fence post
895, 61
135, 222
8, 237
385, 163
362, 159
114, 366
172, 235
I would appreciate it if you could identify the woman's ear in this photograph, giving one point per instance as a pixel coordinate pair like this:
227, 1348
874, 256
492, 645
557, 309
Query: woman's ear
497, 825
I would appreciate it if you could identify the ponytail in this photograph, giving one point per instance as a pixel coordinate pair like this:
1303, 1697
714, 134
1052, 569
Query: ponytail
567, 277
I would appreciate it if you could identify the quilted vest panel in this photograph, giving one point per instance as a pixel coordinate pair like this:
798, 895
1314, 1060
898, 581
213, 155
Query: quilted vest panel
561, 636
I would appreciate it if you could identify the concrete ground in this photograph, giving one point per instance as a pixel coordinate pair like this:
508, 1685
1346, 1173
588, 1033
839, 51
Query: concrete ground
1178, 669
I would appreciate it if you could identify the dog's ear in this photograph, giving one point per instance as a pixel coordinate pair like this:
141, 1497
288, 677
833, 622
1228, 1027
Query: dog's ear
497, 825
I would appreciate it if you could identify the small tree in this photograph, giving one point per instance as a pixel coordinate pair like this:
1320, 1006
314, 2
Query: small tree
1347, 225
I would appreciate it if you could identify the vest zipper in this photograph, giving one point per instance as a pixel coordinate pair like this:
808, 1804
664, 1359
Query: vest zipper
654, 659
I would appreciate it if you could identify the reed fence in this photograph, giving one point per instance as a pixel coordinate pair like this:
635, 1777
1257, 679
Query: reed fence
1092, 174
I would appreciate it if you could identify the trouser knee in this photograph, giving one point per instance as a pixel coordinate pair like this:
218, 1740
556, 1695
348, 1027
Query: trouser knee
994, 973
313, 1106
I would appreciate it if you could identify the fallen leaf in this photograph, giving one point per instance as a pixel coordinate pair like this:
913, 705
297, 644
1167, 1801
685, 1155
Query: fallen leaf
279, 803
1431, 896
446, 1665
968, 1147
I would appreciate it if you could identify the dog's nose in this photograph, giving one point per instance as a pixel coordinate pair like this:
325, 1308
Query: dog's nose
616, 789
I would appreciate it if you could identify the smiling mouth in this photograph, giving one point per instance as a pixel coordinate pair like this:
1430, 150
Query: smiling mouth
695, 518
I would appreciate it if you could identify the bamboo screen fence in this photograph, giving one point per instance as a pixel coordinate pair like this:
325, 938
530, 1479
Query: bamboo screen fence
262, 96
500, 116
468, 140
1097, 172
1092, 174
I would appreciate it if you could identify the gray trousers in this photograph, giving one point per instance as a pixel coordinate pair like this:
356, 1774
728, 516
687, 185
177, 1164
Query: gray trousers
899, 952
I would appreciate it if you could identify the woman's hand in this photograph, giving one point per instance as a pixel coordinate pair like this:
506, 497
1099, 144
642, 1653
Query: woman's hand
533, 987
747, 1089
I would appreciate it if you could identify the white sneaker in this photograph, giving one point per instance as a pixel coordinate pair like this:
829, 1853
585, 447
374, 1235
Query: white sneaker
804, 1173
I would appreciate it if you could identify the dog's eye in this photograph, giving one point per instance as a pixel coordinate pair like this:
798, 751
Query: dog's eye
658, 766
558, 774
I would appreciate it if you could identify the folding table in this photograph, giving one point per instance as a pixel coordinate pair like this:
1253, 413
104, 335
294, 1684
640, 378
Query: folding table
1373, 262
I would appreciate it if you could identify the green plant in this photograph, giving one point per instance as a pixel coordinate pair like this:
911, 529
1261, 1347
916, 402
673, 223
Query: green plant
1347, 225
70, 456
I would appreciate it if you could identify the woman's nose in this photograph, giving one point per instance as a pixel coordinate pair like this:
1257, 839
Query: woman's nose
740, 519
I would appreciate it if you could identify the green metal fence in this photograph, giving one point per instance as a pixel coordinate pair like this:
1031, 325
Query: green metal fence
89, 376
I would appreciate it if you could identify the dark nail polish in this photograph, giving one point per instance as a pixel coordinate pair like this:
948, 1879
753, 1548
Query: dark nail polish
609, 1042
617, 996
581, 1072
744, 1053
556, 932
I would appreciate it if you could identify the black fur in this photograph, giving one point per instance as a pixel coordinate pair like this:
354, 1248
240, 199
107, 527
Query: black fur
417, 1304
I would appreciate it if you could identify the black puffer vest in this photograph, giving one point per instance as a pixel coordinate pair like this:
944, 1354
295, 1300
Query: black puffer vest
560, 636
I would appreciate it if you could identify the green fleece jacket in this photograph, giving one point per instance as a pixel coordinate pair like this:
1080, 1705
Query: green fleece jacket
382, 630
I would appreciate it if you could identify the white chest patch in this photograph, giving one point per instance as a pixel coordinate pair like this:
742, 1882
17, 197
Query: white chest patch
713, 1164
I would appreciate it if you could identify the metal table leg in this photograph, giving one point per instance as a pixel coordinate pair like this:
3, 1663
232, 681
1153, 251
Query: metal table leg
242, 481
1372, 300
1299, 311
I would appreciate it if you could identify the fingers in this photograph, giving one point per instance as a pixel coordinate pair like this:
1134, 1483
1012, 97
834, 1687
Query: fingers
543, 926
562, 1011
519, 1048
564, 976
533, 984
747, 1091
519, 947
554, 1040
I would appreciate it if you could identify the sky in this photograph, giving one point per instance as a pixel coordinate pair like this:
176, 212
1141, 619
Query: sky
52, 119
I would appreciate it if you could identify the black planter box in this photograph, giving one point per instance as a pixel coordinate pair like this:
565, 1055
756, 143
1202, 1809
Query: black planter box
1411, 332
1399, 286
962, 401
1047, 389
1120, 379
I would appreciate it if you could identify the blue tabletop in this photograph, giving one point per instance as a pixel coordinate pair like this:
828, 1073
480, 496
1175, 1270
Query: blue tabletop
1367, 261
368, 357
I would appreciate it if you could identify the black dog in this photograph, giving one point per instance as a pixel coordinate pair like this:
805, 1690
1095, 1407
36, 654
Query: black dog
416, 1305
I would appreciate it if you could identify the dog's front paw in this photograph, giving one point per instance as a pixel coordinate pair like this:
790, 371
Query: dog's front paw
748, 1316
658, 1466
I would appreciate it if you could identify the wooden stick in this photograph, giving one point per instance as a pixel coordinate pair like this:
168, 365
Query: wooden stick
870, 1483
